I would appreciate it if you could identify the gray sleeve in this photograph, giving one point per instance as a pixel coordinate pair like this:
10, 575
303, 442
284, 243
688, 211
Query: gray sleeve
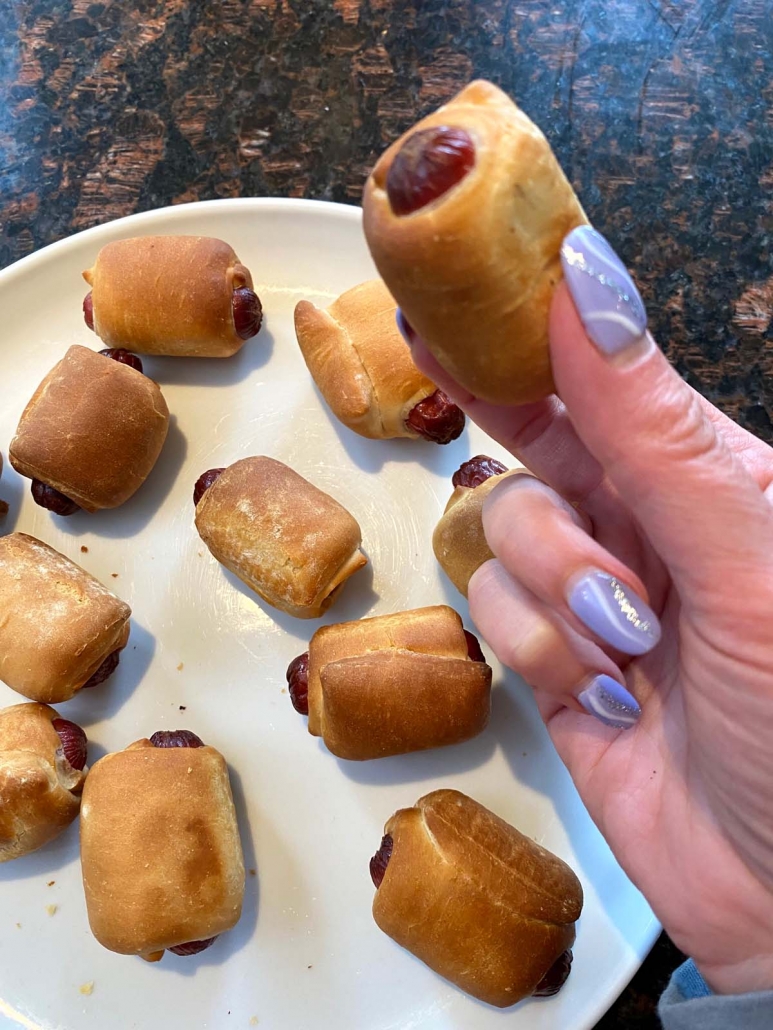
685, 1006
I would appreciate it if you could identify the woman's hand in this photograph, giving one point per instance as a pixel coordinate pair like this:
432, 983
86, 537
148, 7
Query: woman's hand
635, 582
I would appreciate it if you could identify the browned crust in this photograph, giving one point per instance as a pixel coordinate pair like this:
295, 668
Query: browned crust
168, 295
360, 362
396, 702
480, 903
93, 430
474, 272
39, 789
57, 622
160, 849
395, 683
458, 541
287, 540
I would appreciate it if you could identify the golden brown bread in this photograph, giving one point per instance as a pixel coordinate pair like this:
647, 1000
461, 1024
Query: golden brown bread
396, 683
288, 541
160, 848
57, 623
92, 430
474, 271
361, 363
168, 295
39, 789
480, 903
458, 541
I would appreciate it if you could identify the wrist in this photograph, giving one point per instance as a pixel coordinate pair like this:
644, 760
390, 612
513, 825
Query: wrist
742, 977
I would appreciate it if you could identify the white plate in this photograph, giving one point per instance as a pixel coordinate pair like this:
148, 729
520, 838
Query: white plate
306, 953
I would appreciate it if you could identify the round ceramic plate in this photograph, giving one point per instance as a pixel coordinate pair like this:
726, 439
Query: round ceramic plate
205, 654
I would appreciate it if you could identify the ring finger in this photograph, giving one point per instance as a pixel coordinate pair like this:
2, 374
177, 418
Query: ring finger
543, 543
531, 639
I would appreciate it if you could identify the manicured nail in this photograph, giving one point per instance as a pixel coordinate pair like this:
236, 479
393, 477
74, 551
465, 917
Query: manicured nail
614, 612
405, 327
610, 702
603, 292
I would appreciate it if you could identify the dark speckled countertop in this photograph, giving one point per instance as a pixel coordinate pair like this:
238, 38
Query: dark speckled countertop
661, 111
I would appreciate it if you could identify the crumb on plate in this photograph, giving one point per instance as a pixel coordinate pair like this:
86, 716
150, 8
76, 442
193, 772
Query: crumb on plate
87, 988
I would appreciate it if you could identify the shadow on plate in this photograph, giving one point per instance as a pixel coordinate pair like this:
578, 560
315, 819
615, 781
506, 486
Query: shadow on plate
235, 939
136, 513
255, 353
372, 455
522, 738
356, 598
423, 765
104, 701
12, 487
46, 861
454, 599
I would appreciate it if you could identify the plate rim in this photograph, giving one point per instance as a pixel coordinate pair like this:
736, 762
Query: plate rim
350, 211
628, 966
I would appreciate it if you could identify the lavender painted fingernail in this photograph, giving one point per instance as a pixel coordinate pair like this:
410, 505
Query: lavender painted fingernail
406, 330
614, 612
604, 294
610, 702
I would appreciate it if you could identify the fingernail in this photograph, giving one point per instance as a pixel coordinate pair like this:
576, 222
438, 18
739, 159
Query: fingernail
604, 294
614, 612
610, 702
405, 327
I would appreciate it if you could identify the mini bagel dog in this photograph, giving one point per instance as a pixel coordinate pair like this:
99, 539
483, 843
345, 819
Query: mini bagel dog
365, 372
458, 541
477, 901
91, 433
464, 216
292, 544
160, 849
60, 629
185, 296
393, 684
42, 770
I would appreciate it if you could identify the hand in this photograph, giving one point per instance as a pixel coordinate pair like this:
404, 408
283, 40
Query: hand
635, 582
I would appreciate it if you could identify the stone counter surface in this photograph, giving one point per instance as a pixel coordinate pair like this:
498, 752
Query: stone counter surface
661, 112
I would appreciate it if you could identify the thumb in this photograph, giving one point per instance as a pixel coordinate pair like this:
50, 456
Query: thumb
701, 510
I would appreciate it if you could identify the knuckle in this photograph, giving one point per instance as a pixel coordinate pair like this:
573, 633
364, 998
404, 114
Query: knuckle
529, 653
672, 418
